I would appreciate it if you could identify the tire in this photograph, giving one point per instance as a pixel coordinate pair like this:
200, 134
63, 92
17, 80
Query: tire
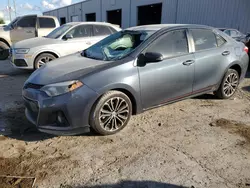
230, 81
43, 59
106, 119
4, 51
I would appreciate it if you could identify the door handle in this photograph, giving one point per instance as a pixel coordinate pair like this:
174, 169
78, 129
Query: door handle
188, 62
225, 53
88, 43
29, 32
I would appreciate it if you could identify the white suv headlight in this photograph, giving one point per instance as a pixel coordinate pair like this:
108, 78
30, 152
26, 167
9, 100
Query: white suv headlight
22, 50
61, 88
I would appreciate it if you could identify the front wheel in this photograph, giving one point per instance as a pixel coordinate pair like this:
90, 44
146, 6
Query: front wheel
43, 59
4, 51
111, 113
228, 85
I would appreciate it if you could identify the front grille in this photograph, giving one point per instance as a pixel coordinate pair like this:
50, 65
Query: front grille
32, 86
20, 63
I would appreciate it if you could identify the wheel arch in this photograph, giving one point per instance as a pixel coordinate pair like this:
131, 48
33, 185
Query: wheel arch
43, 52
129, 91
5, 41
236, 67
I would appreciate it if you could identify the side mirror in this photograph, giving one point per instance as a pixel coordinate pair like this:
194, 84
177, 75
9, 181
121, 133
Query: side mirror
153, 57
68, 36
149, 57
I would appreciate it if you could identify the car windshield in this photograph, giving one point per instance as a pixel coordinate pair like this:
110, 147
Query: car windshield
56, 33
11, 24
117, 46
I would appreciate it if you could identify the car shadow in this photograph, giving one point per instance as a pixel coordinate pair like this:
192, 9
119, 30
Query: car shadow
246, 88
248, 74
206, 97
8, 70
131, 184
13, 124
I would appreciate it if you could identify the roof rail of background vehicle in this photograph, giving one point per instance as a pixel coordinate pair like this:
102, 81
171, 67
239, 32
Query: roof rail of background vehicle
93, 23
167, 26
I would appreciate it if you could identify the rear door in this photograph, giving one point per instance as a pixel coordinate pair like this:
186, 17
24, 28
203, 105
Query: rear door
82, 39
45, 26
172, 78
210, 54
25, 28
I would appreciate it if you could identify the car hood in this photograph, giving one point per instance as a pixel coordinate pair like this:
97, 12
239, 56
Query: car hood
65, 69
34, 42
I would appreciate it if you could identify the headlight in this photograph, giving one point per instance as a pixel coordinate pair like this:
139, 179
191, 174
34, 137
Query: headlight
61, 88
22, 50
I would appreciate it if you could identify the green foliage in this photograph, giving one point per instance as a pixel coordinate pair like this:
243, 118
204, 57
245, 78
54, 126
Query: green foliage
2, 21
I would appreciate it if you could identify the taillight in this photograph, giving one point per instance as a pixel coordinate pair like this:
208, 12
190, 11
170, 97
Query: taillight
246, 49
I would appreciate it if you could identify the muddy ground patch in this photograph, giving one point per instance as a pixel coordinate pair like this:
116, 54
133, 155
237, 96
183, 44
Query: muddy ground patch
234, 127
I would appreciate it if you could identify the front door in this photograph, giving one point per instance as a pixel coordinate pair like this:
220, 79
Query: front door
82, 39
25, 28
172, 78
211, 52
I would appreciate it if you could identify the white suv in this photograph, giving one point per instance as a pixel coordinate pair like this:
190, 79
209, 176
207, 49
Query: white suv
67, 39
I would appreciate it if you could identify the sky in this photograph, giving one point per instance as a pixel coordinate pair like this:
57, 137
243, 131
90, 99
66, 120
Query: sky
24, 7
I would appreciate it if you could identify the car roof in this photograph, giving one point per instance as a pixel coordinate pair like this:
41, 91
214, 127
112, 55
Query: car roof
93, 23
226, 29
167, 26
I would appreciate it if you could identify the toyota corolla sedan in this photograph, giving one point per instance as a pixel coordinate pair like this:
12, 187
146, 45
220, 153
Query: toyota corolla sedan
67, 39
130, 72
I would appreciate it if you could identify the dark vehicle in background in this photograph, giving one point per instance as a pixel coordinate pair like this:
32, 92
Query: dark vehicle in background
235, 34
129, 72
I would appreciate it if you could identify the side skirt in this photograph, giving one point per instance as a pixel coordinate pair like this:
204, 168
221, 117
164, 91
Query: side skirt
186, 96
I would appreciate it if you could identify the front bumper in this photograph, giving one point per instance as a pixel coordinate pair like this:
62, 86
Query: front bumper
74, 107
22, 61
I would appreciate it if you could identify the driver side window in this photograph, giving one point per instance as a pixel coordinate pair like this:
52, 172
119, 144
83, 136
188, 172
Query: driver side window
81, 31
29, 21
171, 44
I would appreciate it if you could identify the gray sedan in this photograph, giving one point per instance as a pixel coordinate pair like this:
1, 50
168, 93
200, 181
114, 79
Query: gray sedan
130, 72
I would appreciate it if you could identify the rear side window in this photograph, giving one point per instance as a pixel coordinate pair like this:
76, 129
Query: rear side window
29, 21
100, 30
171, 44
220, 40
204, 39
46, 23
112, 29
81, 31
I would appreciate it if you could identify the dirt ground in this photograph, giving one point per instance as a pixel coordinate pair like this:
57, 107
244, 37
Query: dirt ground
200, 142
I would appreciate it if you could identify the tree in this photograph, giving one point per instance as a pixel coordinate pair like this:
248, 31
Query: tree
2, 21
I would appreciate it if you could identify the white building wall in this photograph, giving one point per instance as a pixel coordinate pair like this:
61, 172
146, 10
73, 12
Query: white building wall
93, 6
108, 5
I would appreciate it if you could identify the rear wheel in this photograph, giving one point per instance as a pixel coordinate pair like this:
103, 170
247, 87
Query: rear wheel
43, 59
228, 85
4, 51
111, 113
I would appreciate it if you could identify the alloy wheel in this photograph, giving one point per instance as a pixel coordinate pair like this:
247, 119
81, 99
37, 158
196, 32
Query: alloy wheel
42, 61
114, 114
230, 84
